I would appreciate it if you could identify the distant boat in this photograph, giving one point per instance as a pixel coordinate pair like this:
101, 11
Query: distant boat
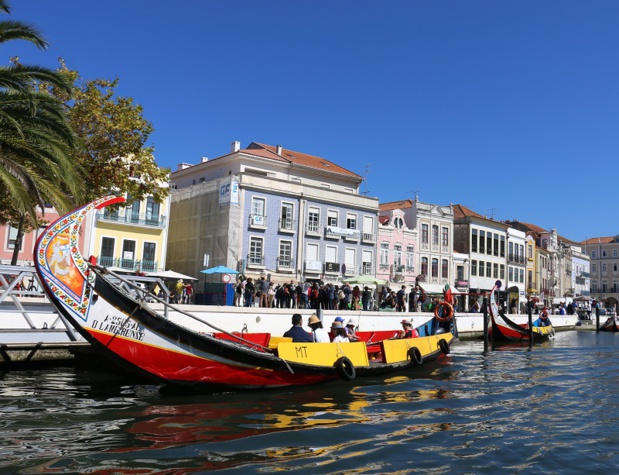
502, 328
123, 328
610, 325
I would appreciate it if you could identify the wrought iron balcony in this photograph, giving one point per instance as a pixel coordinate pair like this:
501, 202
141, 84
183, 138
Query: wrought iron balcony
132, 219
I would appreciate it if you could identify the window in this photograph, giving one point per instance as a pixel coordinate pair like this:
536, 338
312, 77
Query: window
615, 253
424, 234
148, 257
594, 254
510, 274
284, 258
495, 275
128, 256
366, 264
351, 221
424, 265
331, 254
331, 218
398, 223
106, 258
258, 205
510, 251
13, 238
445, 269
410, 258
496, 244
473, 267
350, 260
397, 256
604, 268
368, 228
482, 242
594, 268
435, 235
445, 236
286, 221
502, 271
135, 211
313, 220
152, 211
482, 266
384, 254
488, 269
530, 251
489, 243
603, 253
474, 240
434, 267
255, 252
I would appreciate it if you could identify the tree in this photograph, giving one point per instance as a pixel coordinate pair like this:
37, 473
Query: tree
114, 135
36, 140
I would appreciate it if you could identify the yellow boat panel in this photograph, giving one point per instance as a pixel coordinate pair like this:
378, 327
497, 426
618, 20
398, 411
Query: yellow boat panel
396, 351
276, 340
323, 354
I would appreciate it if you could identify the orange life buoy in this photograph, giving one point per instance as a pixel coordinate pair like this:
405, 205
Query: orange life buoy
443, 311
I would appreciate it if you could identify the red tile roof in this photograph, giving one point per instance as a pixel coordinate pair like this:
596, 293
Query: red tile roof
599, 240
290, 156
403, 204
461, 211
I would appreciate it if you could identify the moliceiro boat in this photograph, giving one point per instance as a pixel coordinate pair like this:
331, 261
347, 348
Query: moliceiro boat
123, 328
502, 328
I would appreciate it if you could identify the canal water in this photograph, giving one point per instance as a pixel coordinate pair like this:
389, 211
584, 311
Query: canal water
552, 409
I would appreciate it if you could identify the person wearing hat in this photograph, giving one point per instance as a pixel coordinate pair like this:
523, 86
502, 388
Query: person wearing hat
319, 334
339, 333
350, 329
297, 333
407, 330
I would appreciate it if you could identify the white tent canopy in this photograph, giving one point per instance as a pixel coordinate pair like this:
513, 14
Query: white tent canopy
170, 274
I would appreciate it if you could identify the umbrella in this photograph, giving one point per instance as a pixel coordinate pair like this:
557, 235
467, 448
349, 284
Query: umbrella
219, 270
170, 274
365, 280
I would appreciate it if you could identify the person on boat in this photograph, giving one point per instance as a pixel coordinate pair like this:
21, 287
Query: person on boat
297, 333
351, 324
407, 330
319, 334
339, 333
543, 320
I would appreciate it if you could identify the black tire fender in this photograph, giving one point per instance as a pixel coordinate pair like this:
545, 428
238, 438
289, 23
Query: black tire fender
442, 344
345, 368
414, 355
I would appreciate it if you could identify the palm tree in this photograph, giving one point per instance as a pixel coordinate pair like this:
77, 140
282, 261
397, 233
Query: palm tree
36, 141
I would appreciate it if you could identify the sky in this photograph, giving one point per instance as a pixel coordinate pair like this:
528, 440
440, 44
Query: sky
510, 108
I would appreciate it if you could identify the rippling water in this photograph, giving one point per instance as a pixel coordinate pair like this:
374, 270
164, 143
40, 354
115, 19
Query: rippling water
549, 410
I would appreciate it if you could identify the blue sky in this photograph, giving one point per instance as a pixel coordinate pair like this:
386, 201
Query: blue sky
507, 107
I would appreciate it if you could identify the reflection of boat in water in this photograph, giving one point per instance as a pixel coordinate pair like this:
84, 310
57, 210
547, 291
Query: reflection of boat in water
126, 330
503, 328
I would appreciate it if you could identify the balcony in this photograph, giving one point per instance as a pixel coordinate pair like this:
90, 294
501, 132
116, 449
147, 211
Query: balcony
366, 269
285, 264
313, 228
254, 260
287, 225
368, 238
132, 219
128, 264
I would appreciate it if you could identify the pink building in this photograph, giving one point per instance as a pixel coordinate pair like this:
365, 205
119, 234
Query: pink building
397, 243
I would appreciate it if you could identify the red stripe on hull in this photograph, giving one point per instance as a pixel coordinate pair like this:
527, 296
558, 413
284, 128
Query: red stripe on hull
177, 367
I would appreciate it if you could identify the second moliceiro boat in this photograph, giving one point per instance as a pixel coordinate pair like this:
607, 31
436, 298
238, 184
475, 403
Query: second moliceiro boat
124, 329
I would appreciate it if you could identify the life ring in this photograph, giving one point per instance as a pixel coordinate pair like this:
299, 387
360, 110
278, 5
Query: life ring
414, 355
442, 344
443, 311
345, 368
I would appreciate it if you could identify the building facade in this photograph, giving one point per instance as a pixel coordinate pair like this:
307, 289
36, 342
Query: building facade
603, 253
268, 211
397, 243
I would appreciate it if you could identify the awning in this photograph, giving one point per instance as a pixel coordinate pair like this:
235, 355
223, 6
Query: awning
433, 288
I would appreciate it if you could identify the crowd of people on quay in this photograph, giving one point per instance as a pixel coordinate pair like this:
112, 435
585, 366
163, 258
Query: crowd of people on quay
330, 296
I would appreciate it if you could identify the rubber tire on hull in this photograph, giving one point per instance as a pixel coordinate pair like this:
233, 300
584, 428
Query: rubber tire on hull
345, 368
414, 355
442, 344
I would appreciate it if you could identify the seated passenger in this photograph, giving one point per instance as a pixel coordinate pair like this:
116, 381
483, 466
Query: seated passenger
350, 329
339, 333
407, 330
319, 334
297, 333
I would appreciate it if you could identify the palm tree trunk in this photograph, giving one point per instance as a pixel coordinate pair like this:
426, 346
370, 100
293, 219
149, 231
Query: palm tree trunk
18, 239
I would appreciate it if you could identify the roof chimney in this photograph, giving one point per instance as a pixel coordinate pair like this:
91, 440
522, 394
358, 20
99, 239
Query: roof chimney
204, 159
182, 166
278, 148
235, 147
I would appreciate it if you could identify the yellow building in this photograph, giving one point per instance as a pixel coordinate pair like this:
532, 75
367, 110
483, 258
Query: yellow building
133, 238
